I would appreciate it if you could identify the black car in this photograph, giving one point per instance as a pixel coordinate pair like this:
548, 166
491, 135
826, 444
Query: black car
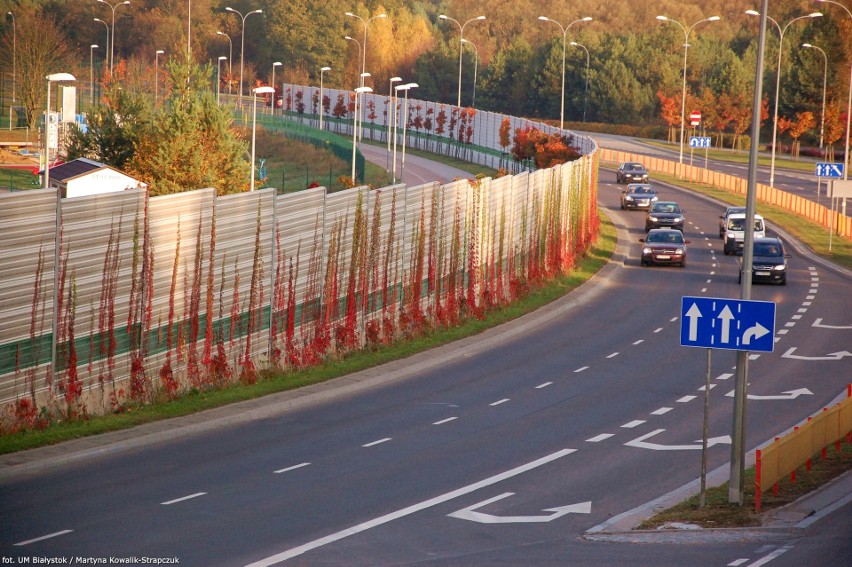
638, 196
664, 214
769, 262
663, 246
631, 172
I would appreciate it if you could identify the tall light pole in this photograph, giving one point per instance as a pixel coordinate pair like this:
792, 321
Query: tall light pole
92, 72
274, 65
358, 43
257, 91
54, 78
242, 48
824, 80
219, 77
686, 32
157, 75
475, 69
781, 32
396, 89
461, 36
586, 89
846, 158
564, 30
358, 92
112, 42
364, 46
322, 72
230, 56
14, 57
106, 53
188, 28
408, 87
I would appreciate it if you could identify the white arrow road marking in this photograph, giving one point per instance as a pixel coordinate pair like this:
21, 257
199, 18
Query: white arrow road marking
470, 514
818, 323
788, 395
640, 443
830, 356
726, 316
754, 332
296, 551
693, 314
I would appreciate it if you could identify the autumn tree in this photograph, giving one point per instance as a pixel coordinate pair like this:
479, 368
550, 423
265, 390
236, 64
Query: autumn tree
669, 112
804, 121
833, 128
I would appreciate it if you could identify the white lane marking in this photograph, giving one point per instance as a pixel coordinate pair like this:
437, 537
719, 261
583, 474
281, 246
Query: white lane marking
753, 356
613, 355
703, 290
443, 421
796, 317
498, 402
724, 376
702, 388
378, 442
783, 331
581, 369
599, 438
737, 563
661, 411
296, 551
776, 339
673, 319
685, 399
182, 499
658, 330
810, 297
774, 555
545, 385
294, 467
48, 536
712, 273
791, 324
709, 281
634, 423
803, 310
639, 342
807, 303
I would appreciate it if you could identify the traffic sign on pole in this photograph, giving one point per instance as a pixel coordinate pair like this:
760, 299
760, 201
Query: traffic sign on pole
731, 324
695, 118
699, 141
829, 170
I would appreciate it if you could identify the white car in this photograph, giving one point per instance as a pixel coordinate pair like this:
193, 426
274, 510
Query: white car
735, 232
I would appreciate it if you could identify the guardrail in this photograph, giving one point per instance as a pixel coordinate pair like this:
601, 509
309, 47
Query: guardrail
788, 452
795, 204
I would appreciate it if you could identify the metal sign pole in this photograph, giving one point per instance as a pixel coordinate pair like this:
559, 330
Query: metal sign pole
702, 498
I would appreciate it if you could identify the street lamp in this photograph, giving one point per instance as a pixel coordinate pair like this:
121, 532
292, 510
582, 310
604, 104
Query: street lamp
242, 48
219, 77
358, 43
54, 78
461, 36
92, 72
781, 32
106, 53
230, 56
847, 162
391, 115
824, 79
564, 36
475, 68
112, 42
408, 87
364, 47
322, 71
157, 74
257, 91
14, 57
358, 92
686, 33
274, 65
586, 90
188, 29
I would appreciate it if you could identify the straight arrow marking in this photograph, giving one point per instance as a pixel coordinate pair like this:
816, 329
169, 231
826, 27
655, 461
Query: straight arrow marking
470, 513
642, 444
788, 395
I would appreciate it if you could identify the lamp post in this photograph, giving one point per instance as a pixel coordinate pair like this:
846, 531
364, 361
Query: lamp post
846, 158
358, 92
242, 47
407, 88
54, 78
322, 71
391, 116
475, 69
219, 77
364, 46
586, 89
358, 43
14, 57
188, 28
363, 82
257, 91
396, 120
781, 32
461, 36
106, 53
157, 74
230, 56
274, 65
92, 72
824, 79
112, 42
686, 32
564, 30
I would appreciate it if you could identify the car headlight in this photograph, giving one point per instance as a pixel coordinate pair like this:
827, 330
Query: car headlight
628, 198
678, 219
780, 267
652, 219
646, 250
653, 199
678, 252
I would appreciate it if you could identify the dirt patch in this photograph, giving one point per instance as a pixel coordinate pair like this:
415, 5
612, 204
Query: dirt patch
14, 158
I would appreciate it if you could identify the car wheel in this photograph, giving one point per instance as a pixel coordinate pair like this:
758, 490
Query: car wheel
784, 281
622, 206
739, 277
683, 263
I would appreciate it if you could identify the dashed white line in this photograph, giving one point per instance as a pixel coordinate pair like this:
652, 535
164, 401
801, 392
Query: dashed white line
796, 317
702, 388
724, 376
294, 467
810, 297
703, 290
581, 369
545, 385
709, 281
661, 411
658, 330
498, 402
807, 303
685, 399
443, 421
783, 331
639, 342
802, 310
599, 438
790, 324
44, 537
634, 423
753, 356
737, 563
613, 355
182, 499
378, 442
673, 319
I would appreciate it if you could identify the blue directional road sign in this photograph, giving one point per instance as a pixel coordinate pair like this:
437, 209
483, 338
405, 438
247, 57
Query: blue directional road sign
829, 170
699, 142
732, 324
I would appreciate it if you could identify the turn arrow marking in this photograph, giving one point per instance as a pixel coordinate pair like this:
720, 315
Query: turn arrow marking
642, 444
818, 323
472, 515
789, 395
830, 356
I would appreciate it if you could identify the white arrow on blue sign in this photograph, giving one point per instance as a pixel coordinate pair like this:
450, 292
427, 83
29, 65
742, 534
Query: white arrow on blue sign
829, 170
699, 142
731, 324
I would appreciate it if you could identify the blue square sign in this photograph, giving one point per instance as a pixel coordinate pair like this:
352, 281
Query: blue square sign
732, 324
834, 170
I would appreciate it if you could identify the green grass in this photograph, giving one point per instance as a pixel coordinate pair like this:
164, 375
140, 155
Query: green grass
738, 156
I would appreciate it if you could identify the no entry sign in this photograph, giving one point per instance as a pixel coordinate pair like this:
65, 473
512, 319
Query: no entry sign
695, 118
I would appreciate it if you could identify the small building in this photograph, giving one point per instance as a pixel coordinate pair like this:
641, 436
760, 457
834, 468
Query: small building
82, 176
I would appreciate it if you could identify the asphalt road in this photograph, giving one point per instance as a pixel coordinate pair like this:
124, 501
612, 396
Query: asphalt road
500, 450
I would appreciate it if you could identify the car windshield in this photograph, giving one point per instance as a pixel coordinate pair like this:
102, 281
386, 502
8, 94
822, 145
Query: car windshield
738, 224
767, 249
666, 208
635, 167
642, 190
666, 237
